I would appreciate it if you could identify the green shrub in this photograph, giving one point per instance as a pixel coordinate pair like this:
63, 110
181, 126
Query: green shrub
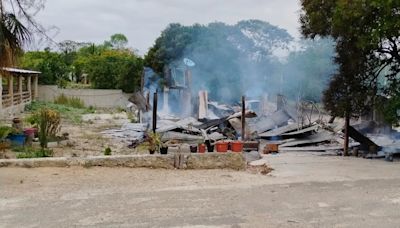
72, 114
107, 151
62, 99
29, 152
76, 102
5, 131
49, 123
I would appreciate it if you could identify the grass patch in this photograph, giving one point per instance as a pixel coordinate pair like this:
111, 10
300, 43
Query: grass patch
69, 113
74, 102
30, 152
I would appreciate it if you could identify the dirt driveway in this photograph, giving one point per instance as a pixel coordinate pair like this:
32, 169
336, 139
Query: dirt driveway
304, 190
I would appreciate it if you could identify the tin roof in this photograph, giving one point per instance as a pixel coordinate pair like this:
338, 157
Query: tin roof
21, 71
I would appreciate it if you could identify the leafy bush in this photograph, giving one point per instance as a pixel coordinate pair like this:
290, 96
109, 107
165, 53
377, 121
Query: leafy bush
154, 141
107, 151
5, 131
49, 123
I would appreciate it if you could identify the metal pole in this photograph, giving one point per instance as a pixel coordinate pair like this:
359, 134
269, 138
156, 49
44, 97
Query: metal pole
155, 98
243, 118
346, 134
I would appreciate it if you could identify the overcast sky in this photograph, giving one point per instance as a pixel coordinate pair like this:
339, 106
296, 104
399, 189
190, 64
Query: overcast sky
143, 20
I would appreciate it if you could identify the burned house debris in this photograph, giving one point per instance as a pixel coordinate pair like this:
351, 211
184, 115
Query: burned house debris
186, 117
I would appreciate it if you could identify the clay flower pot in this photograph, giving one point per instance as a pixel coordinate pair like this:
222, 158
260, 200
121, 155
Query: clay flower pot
202, 148
237, 146
222, 147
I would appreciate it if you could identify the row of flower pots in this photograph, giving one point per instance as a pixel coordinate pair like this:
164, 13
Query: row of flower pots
221, 147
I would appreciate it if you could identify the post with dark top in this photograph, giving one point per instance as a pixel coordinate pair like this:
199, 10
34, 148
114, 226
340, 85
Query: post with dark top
346, 134
155, 98
243, 118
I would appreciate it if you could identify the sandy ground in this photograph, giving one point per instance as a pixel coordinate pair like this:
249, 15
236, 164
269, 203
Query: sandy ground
304, 190
86, 138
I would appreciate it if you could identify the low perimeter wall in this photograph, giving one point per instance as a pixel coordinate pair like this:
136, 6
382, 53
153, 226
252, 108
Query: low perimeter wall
100, 98
234, 161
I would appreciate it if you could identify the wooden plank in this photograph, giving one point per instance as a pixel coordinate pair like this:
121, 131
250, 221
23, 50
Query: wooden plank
203, 105
365, 142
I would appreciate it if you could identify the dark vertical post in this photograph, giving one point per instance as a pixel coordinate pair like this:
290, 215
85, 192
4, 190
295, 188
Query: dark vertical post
243, 118
155, 98
148, 101
346, 134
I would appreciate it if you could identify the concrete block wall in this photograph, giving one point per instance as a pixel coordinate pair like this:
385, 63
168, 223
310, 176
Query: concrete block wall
234, 161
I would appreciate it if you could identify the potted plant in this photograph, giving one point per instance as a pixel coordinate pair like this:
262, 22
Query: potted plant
193, 148
154, 142
222, 146
210, 147
201, 146
164, 148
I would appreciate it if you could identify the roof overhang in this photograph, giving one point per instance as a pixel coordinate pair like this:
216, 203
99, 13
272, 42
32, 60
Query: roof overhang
20, 71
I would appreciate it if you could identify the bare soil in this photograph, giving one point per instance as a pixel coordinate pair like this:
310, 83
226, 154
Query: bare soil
303, 190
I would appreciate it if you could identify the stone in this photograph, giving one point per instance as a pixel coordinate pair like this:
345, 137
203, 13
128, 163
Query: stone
252, 156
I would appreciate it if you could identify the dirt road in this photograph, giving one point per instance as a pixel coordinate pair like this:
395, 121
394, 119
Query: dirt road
304, 190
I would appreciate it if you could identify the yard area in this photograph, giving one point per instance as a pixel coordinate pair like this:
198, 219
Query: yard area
83, 127
304, 190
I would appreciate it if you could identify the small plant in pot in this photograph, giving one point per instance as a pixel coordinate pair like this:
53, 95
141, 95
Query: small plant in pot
193, 148
210, 147
164, 148
154, 142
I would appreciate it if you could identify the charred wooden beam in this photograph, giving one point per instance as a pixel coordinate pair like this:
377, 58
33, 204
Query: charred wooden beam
155, 101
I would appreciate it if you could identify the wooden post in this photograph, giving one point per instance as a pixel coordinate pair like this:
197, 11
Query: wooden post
20, 78
29, 86
11, 89
346, 134
1, 92
243, 118
147, 102
35, 86
155, 98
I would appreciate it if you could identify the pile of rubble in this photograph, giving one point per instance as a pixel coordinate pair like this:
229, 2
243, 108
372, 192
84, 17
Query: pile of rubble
289, 128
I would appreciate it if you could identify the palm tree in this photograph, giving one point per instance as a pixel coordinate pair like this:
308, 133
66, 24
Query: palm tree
13, 35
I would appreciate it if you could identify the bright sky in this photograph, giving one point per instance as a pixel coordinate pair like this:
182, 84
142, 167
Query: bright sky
143, 20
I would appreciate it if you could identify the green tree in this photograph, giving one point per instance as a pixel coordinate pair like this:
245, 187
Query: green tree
114, 69
367, 34
374, 32
118, 41
51, 64
229, 58
13, 35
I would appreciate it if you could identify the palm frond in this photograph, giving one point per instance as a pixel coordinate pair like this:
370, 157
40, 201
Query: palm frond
13, 35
